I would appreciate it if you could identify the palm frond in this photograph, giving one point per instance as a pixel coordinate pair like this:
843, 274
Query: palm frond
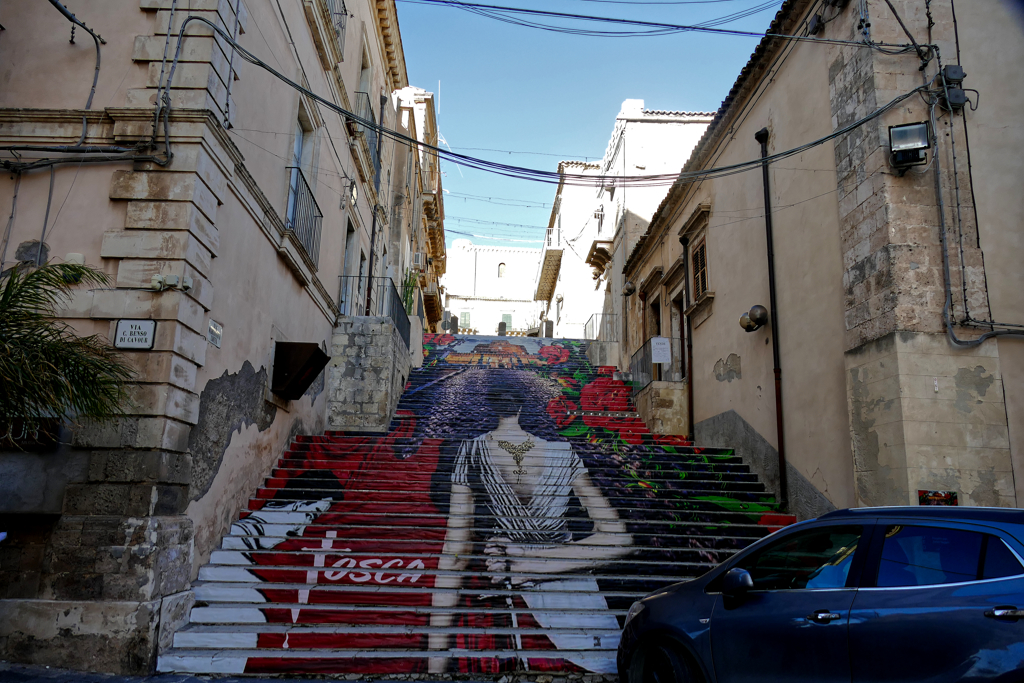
46, 369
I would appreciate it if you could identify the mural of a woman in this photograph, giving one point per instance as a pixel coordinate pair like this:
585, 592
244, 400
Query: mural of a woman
522, 497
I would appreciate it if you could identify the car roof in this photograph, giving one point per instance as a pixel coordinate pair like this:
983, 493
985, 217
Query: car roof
981, 514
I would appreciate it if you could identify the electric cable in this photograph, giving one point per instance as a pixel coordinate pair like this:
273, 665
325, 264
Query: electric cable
46, 218
658, 27
522, 172
97, 39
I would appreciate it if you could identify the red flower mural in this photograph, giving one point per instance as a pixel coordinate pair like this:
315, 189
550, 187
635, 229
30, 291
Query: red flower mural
554, 354
438, 339
558, 409
605, 394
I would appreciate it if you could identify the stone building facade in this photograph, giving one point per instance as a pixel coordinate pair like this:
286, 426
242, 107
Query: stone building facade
488, 285
235, 212
882, 398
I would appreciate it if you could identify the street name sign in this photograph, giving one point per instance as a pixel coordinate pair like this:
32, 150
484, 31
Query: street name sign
135, 334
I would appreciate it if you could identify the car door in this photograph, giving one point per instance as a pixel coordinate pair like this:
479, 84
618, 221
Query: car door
940, 606
792, 626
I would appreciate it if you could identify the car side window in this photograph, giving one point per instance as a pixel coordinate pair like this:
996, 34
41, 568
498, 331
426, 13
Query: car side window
998, 561
816, 558
927, 556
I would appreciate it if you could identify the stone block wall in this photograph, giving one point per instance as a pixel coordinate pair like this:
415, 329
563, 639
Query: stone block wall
369, 366
923, 414
663, 406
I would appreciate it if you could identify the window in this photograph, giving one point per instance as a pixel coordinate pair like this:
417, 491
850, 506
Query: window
507, 319
700, 269
464, 319
818, 558
927, 556
558, 310
501, 270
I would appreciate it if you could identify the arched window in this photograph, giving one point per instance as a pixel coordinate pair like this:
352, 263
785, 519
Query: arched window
501, 270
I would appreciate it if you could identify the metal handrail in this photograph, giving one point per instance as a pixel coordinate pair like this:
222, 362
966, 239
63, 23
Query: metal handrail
644, 370
362, 295
303, 216
602, 327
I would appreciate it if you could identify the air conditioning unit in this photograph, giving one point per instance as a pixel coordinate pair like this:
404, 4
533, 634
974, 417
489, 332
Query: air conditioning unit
419, 261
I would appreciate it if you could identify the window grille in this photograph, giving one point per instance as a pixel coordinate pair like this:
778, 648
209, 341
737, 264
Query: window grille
700, 270
464, 319
507, 319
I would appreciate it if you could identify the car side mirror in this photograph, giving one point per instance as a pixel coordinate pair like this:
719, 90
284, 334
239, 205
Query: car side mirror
737, 582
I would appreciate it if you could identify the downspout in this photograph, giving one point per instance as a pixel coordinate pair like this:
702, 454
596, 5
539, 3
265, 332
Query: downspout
762, 137
685, 241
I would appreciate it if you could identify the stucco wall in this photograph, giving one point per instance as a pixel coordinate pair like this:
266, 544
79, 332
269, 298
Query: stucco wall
995, 146
795, 109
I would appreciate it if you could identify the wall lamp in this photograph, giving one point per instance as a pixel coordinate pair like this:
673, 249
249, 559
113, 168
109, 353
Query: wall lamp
754, 319
907, 145
628, 289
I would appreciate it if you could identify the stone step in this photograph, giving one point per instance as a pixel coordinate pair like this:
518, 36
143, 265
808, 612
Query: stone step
338, 564
737, 473
339, 661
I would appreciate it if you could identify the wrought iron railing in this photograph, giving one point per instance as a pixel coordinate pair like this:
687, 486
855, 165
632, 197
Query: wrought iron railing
303, 216
374, 296
364, 108
339, 18
644, 370
602, 327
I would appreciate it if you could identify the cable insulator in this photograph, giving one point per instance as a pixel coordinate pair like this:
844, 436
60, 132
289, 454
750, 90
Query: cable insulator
72, 41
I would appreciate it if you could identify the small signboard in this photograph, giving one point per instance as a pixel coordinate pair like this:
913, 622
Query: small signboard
135, 334
661, 350
936, 497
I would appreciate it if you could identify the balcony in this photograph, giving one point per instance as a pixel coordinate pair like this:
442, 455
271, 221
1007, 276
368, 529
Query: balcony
645, 370
550, 264
327, 20
367, 133
374, 297
339, 18
303, 217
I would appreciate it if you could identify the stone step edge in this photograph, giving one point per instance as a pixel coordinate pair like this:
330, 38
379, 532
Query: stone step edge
255, 584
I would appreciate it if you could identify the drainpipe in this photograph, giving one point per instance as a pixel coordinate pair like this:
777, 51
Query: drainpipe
685, 241
762, 137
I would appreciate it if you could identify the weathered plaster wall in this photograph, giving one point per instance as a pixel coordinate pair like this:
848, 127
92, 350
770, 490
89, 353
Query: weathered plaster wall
793, 103
995, 171
925, 416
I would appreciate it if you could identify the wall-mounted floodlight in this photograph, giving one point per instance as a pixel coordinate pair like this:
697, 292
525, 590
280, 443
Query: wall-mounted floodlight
907, 144
628, 288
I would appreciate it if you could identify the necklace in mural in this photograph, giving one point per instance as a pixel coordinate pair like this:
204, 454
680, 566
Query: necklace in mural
518, 452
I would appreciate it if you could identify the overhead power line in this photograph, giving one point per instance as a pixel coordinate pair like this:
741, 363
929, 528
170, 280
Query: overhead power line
523, 173
650, 28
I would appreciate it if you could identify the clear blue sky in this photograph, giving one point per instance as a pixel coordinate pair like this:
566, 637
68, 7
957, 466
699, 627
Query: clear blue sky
549, 96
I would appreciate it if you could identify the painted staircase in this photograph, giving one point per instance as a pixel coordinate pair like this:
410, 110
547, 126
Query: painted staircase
507, 520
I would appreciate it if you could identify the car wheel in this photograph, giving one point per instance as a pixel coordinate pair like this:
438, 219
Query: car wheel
661, 663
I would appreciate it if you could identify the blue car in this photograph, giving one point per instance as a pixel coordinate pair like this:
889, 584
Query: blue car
864, 595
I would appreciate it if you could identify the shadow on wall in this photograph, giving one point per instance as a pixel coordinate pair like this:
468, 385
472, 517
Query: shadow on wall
728, 429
